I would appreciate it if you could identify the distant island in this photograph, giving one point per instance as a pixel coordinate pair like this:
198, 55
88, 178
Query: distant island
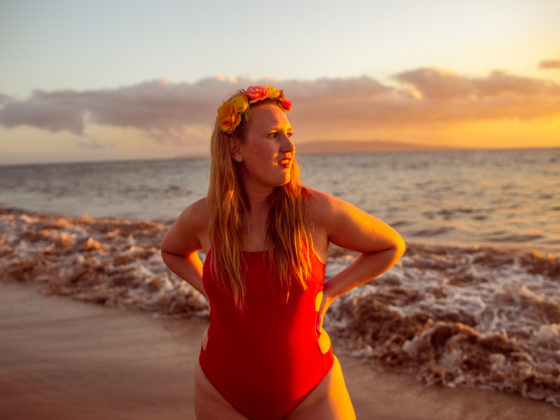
361, 146
318, 147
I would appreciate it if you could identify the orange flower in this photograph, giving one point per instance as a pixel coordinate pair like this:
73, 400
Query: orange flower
228, 118
231, 112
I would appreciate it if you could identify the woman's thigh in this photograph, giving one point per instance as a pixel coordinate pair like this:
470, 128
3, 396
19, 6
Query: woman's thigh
328, 401
209, 404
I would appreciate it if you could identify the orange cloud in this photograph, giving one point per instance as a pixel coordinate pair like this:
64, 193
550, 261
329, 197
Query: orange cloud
323, 108
549, 64
450, 97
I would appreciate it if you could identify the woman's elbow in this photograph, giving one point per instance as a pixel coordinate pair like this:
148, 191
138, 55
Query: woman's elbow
400, 247
166, 248
164, 255
396, 247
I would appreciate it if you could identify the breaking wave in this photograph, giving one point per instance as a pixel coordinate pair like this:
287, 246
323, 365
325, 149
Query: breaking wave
459, 316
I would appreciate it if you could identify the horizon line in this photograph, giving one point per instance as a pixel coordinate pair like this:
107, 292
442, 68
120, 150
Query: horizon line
207, 155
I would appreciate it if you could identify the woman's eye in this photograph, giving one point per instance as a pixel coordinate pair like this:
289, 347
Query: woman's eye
276, 134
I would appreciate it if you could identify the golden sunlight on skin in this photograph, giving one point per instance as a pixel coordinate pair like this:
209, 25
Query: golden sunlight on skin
315, 408
324, 341
318, 300
267, 146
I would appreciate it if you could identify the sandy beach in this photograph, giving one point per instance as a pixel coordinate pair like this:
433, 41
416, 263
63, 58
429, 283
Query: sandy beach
66, 359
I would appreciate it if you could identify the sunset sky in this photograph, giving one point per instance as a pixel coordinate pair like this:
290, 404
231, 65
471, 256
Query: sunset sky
96, 80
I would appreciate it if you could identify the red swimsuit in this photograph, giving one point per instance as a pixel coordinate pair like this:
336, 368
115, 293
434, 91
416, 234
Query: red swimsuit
267, 361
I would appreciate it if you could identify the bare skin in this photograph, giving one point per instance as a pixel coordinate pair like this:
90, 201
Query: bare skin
334, 221
329, 400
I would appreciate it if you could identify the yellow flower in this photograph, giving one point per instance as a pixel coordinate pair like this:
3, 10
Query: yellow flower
228, 118
273, 92
241, 103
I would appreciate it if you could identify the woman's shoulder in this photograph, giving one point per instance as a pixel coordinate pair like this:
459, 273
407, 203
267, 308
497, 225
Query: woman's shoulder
328, 210
321, 205
200, 205
195, 215
189, 232
321, 198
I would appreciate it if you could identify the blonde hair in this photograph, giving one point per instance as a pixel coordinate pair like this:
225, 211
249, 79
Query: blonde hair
287, 237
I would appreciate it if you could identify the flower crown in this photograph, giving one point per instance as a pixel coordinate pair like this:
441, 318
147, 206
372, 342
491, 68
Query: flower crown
231, 111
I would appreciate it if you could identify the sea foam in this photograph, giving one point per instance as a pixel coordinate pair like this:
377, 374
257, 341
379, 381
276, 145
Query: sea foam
457, 316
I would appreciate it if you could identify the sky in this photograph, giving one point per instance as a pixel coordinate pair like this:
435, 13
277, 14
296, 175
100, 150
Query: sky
112, 80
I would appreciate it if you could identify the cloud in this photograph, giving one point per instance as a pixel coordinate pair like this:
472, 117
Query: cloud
55, 111
4, 99
446, 96
550, 64
174, 112
91, 143
158, 107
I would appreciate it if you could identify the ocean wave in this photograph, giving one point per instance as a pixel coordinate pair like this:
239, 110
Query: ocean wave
111, 262
459, 316
431, 232
514, 238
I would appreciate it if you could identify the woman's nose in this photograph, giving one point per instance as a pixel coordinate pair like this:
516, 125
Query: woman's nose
287, 144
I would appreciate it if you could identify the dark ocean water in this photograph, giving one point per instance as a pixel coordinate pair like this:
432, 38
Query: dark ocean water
503, 198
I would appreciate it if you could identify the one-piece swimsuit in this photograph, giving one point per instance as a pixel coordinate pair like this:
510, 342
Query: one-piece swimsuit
266, 360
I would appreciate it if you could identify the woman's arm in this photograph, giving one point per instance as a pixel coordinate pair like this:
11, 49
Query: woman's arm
178, 249
349, 227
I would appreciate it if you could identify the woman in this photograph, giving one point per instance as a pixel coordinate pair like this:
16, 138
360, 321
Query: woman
265, 354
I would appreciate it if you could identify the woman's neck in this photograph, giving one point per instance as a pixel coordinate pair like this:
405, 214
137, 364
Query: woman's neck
257, 197
256, 218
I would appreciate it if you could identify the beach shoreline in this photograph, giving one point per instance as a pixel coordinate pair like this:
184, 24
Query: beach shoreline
461, 317
66, 359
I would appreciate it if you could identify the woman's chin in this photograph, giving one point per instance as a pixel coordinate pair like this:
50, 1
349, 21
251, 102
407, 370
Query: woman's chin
286, 180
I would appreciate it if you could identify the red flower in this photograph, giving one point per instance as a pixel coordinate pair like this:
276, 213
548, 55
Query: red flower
284, 103
257, 93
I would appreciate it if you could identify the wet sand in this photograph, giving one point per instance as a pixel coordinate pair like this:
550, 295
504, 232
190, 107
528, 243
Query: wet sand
65, 359
452, 315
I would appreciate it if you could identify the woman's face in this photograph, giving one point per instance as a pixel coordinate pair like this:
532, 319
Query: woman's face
266, 156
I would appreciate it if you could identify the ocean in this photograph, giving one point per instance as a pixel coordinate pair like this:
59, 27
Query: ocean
499, 198
475, 301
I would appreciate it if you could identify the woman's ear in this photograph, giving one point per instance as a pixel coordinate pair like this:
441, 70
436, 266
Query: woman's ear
234, 144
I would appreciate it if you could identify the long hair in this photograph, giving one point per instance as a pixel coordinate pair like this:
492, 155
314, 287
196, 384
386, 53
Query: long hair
288, 239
